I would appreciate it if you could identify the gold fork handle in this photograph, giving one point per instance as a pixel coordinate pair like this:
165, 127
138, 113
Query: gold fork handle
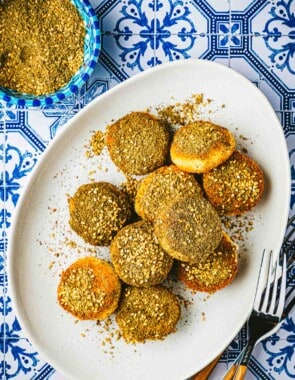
236, 373
205, 372
241, 372
230, 374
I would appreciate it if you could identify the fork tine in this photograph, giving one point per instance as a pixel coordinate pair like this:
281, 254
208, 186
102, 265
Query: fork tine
281, 303
262, 323
274, 287
265, 294
261, 280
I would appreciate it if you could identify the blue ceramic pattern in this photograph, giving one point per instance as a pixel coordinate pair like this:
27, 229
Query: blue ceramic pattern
256, 38
154, 34
282, 358
281, 24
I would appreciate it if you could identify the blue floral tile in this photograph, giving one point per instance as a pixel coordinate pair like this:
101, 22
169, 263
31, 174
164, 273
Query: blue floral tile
242, 65
221, 60
39, 123
128, 55
276, 55
289, 124
21, 360
279, 353
175, 48
11, 328
218, 46
3, 279
242, 6
274, 18
62, 112
218, 18
256, 53
99, 81
272, 93
243, 12
219, 5
7, 112
183, 17
229, 33
21, 154
126, 17
284, 117
271, 360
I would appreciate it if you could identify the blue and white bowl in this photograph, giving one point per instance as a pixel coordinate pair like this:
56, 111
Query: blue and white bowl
92, 46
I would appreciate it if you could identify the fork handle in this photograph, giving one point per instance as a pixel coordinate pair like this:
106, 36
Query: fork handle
241, 372
238, 370
236, 373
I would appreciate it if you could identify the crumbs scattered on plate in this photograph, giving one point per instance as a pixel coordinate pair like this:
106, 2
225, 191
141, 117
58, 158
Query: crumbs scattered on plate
65, 247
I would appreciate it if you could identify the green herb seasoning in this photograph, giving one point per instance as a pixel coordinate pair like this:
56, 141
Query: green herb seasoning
41, 44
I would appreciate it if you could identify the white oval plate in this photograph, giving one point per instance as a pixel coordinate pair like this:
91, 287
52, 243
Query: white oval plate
42, 244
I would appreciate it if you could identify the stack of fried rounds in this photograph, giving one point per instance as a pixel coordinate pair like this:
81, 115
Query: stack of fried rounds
188, 228
160, 187
201, 146
236, 186
138, 143
187, 185
98, 211
89, 289
214, 271
137, 256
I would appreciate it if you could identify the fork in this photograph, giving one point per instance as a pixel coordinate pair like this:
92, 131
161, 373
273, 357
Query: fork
288, 247
267, 309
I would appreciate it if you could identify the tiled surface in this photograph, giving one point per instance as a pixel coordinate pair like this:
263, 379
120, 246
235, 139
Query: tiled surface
256, 38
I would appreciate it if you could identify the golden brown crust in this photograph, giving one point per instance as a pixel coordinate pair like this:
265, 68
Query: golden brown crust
235, 186
188, 228
147, 313
89, 289
97, 211
213, 272
138, 143
137, 256
160, 186
201, 146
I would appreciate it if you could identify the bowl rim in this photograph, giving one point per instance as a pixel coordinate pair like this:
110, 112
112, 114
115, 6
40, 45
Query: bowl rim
77, 80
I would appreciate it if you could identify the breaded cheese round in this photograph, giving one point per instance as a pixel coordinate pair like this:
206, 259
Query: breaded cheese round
137, 256
201, 146
98, 211
138, 143
147, 313
235, 186
213, 272
89, 289
160, 186
188, 228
